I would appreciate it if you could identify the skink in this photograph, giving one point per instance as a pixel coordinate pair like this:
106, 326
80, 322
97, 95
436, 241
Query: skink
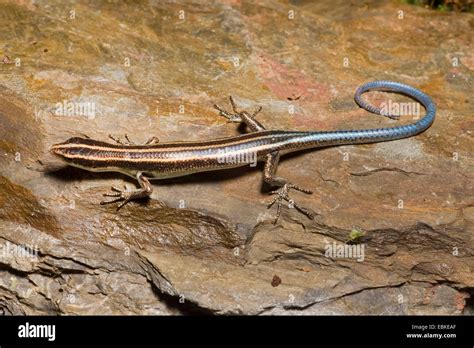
156, 160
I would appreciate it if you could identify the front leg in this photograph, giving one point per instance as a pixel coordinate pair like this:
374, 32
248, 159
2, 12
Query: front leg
126, 196
271, 164
243, 116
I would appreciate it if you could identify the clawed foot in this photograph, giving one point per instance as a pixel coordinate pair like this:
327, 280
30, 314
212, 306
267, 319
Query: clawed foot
120, 195
283, 195
128, 142
235, 117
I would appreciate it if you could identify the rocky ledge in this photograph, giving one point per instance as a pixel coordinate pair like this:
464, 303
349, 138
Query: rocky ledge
393, 232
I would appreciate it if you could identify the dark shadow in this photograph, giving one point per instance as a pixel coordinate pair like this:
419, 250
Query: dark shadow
185, 308
469, 307
69, 173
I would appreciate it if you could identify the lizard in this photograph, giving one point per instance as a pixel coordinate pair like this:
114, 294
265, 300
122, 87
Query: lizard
156, 160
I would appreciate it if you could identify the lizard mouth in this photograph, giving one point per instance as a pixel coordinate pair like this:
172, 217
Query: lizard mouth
57, 150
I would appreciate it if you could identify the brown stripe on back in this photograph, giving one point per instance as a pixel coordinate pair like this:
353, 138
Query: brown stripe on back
181, 144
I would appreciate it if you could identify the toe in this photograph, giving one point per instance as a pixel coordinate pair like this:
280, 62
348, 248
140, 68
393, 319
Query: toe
112, 194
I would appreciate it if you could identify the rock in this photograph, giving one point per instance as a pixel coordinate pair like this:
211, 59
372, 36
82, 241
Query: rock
206, 243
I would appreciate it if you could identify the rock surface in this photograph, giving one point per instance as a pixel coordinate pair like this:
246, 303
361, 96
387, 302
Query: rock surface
206, 243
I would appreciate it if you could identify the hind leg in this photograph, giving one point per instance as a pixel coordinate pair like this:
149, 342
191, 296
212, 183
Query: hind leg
283, 189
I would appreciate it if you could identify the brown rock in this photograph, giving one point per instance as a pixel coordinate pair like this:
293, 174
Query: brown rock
276, 280
211, 246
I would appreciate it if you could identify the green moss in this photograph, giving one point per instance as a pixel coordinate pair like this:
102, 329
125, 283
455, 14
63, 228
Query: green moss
443, 8
355, 236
